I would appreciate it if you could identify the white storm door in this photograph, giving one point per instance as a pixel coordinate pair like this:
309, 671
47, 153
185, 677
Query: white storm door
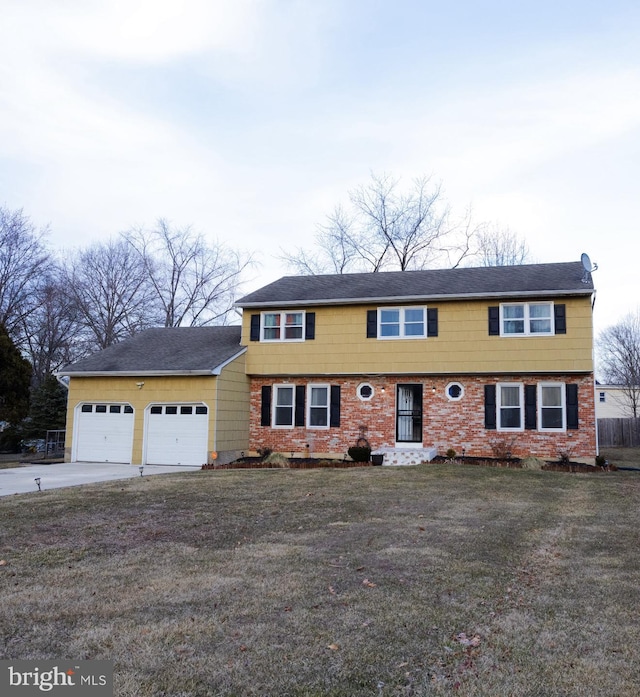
104, 433
176, 434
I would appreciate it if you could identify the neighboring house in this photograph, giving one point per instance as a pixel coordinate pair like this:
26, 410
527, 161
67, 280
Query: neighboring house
165, 396
612, 402
481, 360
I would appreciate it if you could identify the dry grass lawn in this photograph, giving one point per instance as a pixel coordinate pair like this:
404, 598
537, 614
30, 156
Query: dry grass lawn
431, 580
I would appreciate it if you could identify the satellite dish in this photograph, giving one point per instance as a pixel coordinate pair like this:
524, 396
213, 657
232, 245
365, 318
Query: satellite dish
588, 267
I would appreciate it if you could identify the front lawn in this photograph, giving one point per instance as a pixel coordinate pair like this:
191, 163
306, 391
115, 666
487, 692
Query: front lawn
440, 579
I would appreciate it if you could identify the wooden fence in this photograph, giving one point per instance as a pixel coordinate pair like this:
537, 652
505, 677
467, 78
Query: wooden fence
619, 433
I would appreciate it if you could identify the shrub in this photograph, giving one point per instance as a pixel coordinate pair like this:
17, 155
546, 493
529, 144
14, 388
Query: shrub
359, 453
601, 461
276, 460
503, 448
451, 453
532, 463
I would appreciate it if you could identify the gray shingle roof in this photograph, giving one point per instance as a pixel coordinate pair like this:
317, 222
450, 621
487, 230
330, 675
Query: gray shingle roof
446, 284
174, 350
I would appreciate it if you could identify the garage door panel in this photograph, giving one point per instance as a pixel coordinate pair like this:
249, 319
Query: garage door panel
104, 433
177, 435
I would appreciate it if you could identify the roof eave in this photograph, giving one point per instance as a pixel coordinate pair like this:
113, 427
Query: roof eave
419, 298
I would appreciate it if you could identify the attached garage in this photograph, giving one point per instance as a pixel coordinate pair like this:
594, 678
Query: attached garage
176, 434
166, 396
104, 433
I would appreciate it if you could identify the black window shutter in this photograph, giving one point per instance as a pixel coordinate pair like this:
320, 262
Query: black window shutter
494, 321
255, 328
265, 409
372, 324
530, 415
310, 325
490, 406
560, 318
572, 406
299, 416
432, 321
334, 406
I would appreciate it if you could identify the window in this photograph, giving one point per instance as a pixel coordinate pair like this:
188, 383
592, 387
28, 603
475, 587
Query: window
201, 410
509, 407
318, 401
401, 323
101, 408
87, 408
283, 405
454, 391
552, 406
171, 410
115, 409
283, 326
365, 391
186, 410
156, 410
526, 319
603, 397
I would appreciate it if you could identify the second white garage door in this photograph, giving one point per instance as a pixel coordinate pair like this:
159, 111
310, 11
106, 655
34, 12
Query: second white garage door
103, 433
176, 434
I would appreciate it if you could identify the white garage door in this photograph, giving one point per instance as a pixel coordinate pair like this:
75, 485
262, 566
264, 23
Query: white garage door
104, 433
176, 434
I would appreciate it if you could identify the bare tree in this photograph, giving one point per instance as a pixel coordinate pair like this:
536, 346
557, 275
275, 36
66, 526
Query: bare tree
108, 289
498, 246
52, 331
193, 283
619, 351
23, 261
388, 227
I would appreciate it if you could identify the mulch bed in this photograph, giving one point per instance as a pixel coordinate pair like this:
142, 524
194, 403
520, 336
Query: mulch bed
313, 463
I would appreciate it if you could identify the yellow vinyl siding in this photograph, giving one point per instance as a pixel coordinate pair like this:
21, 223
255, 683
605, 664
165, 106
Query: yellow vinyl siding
463, 345
233, 407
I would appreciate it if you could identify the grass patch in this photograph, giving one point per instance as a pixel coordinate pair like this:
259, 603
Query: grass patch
431, 580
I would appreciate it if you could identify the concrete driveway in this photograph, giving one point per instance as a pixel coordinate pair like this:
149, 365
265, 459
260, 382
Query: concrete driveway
21, 480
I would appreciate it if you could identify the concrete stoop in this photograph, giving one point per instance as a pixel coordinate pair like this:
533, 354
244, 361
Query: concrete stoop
406, 456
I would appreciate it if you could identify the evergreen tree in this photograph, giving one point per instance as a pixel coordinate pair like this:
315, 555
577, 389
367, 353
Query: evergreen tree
48, 408
15, 377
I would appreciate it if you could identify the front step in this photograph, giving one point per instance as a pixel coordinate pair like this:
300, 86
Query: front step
405, 456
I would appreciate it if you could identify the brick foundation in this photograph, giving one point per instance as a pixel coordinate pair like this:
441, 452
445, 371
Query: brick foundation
446, 424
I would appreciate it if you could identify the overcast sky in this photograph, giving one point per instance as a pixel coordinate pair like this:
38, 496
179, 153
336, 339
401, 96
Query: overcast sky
251, 119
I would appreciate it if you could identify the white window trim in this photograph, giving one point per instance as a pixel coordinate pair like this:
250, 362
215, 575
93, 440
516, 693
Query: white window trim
526, 319
283, 314
274, 406
563, 404
360, 396
499, 387
308, 405
449, 397
402, 309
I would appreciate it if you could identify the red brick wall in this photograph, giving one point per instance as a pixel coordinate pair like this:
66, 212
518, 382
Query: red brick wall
446, 424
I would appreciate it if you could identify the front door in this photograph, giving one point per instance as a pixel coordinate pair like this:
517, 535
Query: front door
409, 414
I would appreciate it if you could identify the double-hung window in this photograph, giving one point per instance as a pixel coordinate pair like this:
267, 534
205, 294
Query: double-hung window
402, 322
551, 401
283, 405
509, 406
318, 406
526, 319
283, 326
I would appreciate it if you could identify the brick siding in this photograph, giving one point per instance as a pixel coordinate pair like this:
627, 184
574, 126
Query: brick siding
446, 423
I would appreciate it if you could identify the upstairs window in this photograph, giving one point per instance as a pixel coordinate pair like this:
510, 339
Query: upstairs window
526, 319
283, 326
402, 323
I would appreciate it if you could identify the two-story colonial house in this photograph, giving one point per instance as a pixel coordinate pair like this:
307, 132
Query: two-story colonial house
483, 361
